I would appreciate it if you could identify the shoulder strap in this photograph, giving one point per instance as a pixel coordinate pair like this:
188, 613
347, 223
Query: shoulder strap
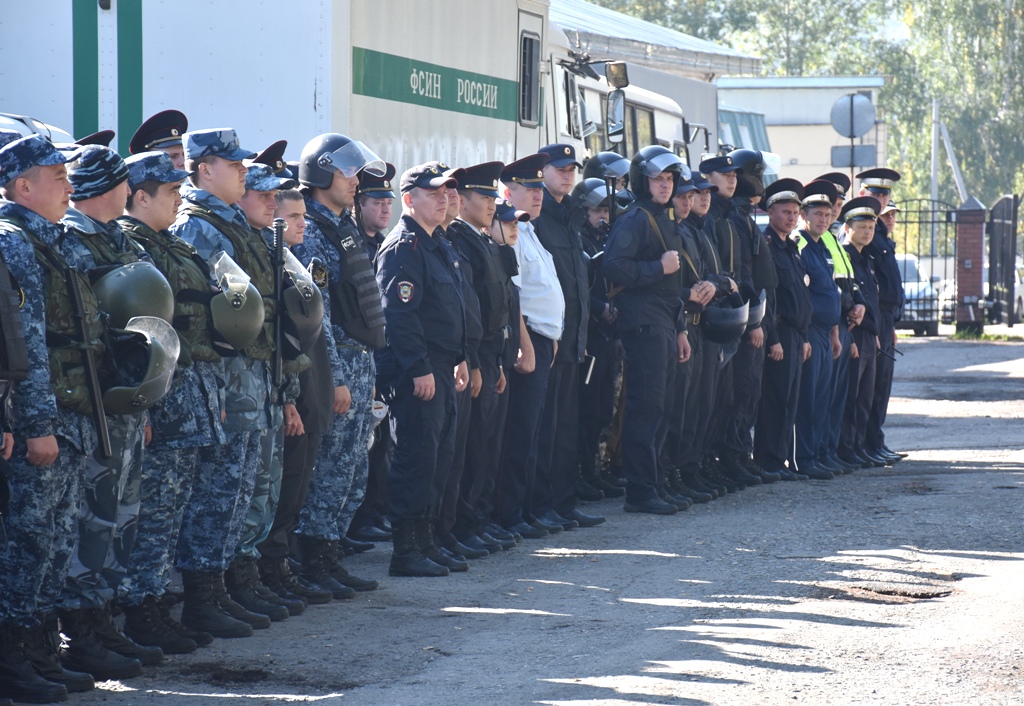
657, 230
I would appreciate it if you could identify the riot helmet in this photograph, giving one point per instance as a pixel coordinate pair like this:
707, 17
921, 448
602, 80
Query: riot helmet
139, 366
237, 310
650, 162
135, 289
750, 161
756, 311
606, 165
592, 193
725, 319
329, 153
303, 308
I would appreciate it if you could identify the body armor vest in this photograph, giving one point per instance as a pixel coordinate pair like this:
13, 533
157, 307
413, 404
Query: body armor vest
13, 351
189, 277
355, 300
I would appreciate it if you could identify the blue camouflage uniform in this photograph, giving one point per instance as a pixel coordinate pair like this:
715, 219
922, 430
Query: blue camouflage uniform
214, 517
42, 520
185, 420
342, 464
109, 515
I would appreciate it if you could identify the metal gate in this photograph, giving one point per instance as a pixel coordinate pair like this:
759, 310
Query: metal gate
1003, 274
925, 237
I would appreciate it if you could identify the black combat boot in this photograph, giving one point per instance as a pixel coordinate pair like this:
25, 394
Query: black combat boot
202, 611
18, 680
113, 639
259, 621
426, 536
82, 650
408, 559
315, 570
163, 604
40, 645
239, 581
340, 574
294, 585
268, 585
144, 624
679, 484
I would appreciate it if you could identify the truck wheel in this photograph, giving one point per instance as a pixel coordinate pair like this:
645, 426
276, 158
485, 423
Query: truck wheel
932, 329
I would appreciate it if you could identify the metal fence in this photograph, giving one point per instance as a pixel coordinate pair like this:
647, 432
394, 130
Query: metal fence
925, 237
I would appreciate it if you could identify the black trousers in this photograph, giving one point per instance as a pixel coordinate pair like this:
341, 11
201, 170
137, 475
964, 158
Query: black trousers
705, 365
447, 484
747, 373
840, 387
671, 455
522, 435
651, 358
860, 394
597, 399
557, 457
298, 462
424, 436
776, 418
874, 439
483, 452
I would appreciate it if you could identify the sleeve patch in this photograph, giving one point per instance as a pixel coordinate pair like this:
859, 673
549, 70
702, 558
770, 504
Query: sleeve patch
405, 291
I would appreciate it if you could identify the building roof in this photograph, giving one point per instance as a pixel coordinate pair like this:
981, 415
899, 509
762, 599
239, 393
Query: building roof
801, 82
624, 37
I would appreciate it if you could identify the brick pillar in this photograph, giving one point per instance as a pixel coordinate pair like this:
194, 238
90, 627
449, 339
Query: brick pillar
970, 261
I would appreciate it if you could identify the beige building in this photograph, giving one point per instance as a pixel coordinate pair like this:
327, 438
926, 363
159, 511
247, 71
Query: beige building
797, 115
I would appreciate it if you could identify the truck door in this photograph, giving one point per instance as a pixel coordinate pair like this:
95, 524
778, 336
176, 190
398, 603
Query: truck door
531, 98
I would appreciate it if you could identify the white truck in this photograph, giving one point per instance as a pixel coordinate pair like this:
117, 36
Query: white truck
463, 81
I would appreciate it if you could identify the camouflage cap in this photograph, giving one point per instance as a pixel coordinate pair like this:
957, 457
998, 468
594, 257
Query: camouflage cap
218, 142
261, 177
21, 155
153, 166
9, 136
95, 171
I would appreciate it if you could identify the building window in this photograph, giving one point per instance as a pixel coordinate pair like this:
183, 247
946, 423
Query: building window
529, 80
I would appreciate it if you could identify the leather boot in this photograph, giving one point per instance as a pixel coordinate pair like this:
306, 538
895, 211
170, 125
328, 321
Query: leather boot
340, 574
241, 587
82, 650
202, 612
294, 585
453, 545
259, 621
163, 605
584, 487
407, 559
144, 625
269, 573
314, 567
18, 680
426, 537
113, 639
40, 645
683, 488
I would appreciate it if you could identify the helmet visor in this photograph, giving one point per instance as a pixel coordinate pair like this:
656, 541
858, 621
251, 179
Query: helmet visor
231, 278
666, 162
351, 159
159, 331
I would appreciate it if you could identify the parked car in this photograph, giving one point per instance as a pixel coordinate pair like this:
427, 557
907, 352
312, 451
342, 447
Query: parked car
920, 298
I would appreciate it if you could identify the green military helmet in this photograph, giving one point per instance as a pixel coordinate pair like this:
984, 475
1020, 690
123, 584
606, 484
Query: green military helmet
237, 310
140, 364
303, 306
135, 289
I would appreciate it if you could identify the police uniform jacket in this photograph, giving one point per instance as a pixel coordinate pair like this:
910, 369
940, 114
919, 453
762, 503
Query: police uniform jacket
36, 412
882, 251
864, 276
474, 317
723, 217
632, 260
489, 282
789, 300
593, 239
420, 280
559, 236
822, 285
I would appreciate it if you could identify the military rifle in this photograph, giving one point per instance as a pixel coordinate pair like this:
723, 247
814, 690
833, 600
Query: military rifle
277, 372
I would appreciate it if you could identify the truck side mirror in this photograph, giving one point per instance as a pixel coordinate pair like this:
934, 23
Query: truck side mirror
616, 127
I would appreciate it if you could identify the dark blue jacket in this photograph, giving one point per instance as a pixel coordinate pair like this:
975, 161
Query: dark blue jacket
864, 275
789, 300
822, 287
882, 252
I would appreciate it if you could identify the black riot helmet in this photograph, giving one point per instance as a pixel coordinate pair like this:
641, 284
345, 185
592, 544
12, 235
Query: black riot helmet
606, 165
329, 153
750, 161
725, 319
591, 193
650, 162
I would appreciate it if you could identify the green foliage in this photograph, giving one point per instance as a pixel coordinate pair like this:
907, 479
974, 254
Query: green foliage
969, 55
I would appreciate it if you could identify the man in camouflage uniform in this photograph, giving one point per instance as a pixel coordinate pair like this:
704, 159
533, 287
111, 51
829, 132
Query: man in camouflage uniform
244, 583
214, 516
187, 419
94, 241
52, 436
351, 298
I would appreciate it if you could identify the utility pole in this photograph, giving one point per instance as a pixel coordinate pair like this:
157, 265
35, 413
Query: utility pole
935, 172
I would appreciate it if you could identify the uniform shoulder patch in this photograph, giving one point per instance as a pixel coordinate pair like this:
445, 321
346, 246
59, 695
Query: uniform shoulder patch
405, 291
318, 271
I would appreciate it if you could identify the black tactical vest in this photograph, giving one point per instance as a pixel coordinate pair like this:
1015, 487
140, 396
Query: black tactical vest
355, 298
13, 351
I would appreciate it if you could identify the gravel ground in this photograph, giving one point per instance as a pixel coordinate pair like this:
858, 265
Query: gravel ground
893, 586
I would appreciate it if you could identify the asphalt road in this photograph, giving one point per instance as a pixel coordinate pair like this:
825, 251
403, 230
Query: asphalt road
896, 586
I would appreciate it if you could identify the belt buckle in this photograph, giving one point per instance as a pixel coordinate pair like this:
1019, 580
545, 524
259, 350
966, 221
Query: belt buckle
696, 319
